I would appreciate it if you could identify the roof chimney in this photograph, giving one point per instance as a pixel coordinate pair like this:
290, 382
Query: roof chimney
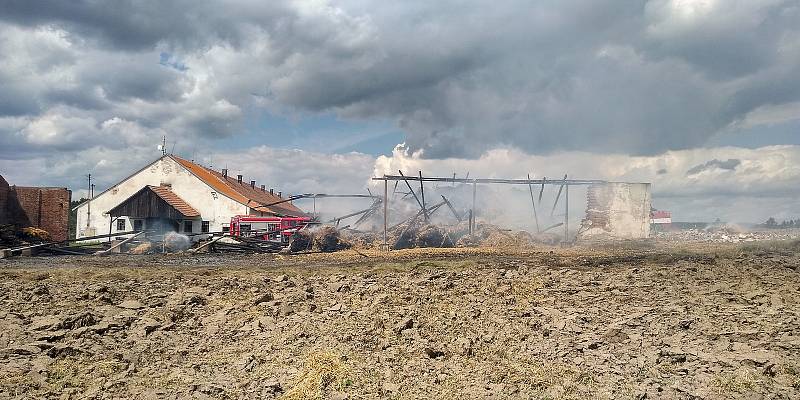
224, 172
239, 178
253, 184
271, 191
279, 194
263, 188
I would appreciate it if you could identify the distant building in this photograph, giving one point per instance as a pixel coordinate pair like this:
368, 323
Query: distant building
173, 194
45, 208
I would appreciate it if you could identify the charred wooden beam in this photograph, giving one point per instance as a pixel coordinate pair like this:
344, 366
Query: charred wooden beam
533, 204
422, 207
452, 209
560, 189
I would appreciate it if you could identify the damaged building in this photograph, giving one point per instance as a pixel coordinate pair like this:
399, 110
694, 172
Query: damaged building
617, 210
45, 208
174, 194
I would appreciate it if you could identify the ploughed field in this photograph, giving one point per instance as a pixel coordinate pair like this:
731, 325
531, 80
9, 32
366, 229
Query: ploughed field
710, 321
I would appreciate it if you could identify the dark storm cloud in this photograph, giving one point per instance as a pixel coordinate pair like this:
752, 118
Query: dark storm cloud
460, 78
728, 165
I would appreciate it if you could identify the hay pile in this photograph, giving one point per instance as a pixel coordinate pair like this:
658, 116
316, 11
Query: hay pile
328, 239
301, 240
35, 234
325, 239
143, 248
420, 235
322, 373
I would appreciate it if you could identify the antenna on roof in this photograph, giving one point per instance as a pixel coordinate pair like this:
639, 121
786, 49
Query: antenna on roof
173, 148
163, 146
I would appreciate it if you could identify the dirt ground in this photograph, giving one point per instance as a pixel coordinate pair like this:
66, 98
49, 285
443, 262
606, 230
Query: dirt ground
638, 321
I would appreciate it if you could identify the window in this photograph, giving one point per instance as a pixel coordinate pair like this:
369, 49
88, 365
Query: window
187, 226
137, 225
226, 228
204, 227
120, 224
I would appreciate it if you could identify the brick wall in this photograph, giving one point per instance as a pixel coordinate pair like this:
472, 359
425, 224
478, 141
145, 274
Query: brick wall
4, 193
45, 208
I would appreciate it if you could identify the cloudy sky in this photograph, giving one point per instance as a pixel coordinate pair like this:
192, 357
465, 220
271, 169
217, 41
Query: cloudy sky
699, 97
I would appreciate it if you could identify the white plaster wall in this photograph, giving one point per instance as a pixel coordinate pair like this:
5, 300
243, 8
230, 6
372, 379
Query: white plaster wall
213, 207
628, 209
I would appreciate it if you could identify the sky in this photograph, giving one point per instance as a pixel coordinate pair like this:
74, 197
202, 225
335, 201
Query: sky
699, 97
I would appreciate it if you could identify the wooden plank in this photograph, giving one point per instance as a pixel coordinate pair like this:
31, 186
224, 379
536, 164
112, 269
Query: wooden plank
108, 251
422, 194
452, 209
567, 182
560, 189
206, 244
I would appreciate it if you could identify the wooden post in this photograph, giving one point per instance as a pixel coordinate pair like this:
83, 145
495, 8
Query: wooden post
566, 215
474, 191
533, 203
386, 214
541, 191
422, 194
415, 195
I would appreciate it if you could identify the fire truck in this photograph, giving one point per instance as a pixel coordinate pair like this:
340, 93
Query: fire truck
273, 229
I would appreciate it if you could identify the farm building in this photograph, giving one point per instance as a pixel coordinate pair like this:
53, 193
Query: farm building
174, 194
45, 208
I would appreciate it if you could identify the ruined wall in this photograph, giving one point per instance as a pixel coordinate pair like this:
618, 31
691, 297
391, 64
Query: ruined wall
617, 210
44, 208
4, 193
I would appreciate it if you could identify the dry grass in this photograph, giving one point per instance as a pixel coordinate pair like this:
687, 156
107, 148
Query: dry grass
321, 370
738, 381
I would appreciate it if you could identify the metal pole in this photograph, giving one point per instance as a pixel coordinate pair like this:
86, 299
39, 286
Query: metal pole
386, 215
89, 202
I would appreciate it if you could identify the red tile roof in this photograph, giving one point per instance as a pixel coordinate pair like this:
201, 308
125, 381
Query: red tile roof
175, 201
241, 192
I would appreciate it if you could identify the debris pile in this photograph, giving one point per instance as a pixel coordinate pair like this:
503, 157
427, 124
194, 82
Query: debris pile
328, 239
8, 236
301, 240
727, 234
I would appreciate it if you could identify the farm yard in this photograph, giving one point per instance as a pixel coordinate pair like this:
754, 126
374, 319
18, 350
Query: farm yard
644, 320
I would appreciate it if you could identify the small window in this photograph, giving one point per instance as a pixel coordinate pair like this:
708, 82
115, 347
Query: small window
204, 227
137, 225
187, 226
226, 228
120, 224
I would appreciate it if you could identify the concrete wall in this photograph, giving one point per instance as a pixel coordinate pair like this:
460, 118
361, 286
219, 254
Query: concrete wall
617, 210
213, 207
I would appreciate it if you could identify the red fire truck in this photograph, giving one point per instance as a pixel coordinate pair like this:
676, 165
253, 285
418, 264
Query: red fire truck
273, 229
